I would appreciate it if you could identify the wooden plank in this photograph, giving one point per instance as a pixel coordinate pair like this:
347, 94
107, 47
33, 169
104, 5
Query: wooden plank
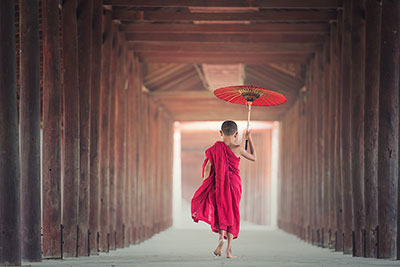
317, 4
85, 19
221, 58
222, 47
94, 125
10, 242
371, 126
357, 122
226, 38
222, 29
346, 127
30, 131
104, 125
260, 16
51, 131
71, 160
388, 147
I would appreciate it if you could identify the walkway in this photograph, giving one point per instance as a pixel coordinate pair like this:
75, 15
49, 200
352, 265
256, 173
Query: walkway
191, 247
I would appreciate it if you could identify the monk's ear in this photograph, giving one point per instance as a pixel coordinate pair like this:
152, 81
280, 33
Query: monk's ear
221, 133
236, 134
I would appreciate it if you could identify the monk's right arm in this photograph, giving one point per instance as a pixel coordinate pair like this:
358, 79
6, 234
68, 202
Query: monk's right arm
207, 170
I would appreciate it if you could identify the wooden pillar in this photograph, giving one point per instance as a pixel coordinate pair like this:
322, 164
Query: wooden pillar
119, 142
338, 140
10, 221
51, 131
371, 124
85, 19
388, 148
103, 135
94, 128
30, 131
71, 126
332, 139
357, 122
346, 129
112, 130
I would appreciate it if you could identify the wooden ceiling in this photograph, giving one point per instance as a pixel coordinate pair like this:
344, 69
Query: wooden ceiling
173, 38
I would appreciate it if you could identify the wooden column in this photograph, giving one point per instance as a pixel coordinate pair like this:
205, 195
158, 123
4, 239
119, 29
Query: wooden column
338, 141
388, 148
331, 147
119, 142
346, 129
71, 126
51, 131
371, 124
112, 130
30, 131
103, 135
85, 19
94, 128
357, 122
10, 220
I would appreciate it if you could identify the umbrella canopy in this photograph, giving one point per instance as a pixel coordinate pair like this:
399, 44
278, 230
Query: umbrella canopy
250, 95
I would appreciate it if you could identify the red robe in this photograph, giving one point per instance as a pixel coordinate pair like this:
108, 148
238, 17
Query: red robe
216, 202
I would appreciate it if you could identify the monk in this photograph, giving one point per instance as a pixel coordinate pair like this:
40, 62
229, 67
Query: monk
216, 202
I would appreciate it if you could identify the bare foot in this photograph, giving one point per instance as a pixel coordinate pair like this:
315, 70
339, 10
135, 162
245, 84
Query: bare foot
218, 250
229, 254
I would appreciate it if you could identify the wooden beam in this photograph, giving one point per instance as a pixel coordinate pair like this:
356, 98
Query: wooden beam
85, 21
71, 150
30, 131
172, 47
221, 58
10, 217
371, 127
267, 15
227, 28
225, 38
317, 4
51, 131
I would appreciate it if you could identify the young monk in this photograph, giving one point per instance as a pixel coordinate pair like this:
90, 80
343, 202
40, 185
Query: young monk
217, 200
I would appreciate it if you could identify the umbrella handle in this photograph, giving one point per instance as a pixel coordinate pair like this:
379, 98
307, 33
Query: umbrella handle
248, 123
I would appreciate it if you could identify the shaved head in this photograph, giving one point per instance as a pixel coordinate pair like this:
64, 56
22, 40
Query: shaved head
229, 128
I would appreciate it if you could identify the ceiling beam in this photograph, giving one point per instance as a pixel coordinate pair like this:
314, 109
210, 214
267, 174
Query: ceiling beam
260, 28
265, 15
231, 3
223, 47
227, 38
221, 58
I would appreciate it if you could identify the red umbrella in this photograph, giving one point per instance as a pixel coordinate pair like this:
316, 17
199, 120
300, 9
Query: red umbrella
250, 96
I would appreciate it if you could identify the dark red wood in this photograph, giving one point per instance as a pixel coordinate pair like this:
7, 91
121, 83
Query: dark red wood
94, 124
371, 124
71, 126
346, 129
388, 147
338, 141
112, 131
237, 3
85, 20
10, 218
223, 29
30, 130
260, 16
104, 125
51, 131
357, 124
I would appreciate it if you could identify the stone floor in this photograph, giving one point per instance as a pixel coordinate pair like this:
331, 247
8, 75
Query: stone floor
256, 246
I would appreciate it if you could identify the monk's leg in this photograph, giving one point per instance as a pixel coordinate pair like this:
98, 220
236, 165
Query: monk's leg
229, 248
220, 246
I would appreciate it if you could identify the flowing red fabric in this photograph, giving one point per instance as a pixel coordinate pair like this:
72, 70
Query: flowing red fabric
216, 202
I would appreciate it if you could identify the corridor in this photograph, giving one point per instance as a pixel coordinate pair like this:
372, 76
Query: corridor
189, 247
